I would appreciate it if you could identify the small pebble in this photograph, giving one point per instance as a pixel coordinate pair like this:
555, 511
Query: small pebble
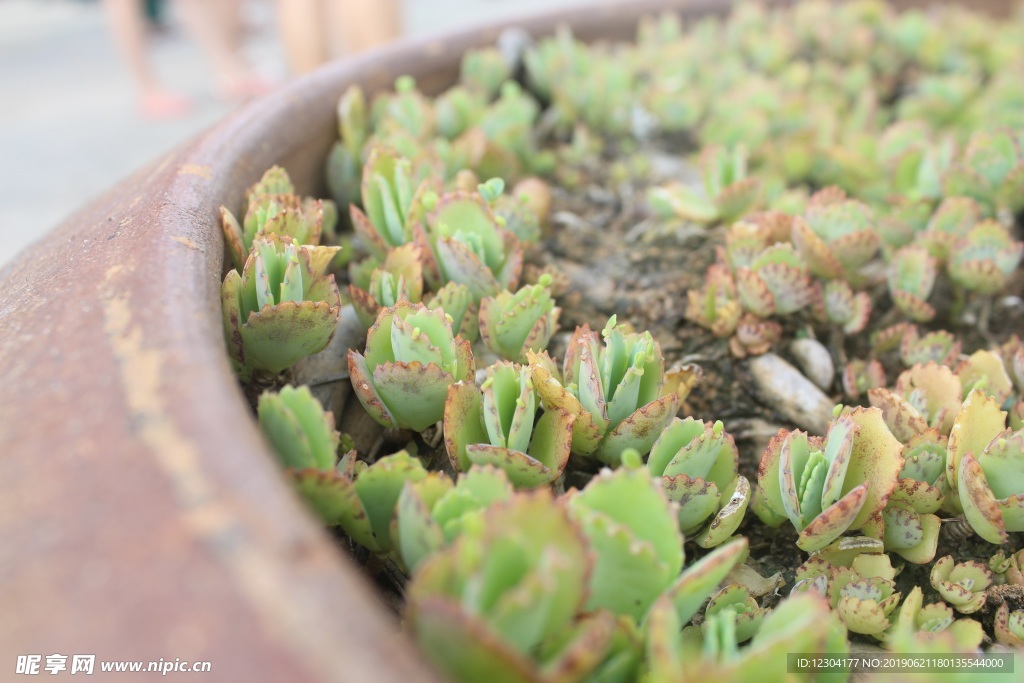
785, 390
815, 360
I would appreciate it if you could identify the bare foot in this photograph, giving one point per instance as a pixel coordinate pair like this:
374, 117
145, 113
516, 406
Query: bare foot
164, 104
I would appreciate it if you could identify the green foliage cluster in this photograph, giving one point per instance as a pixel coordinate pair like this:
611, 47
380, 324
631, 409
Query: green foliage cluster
846, 157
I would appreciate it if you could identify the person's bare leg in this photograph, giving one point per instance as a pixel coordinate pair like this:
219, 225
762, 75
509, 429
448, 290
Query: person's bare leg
128, 27
365, 24
209, 24
303, 33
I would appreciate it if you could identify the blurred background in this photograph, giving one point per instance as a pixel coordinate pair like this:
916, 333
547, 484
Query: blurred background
95, 89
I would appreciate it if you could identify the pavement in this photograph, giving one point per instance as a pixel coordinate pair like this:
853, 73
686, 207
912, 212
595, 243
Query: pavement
69, 127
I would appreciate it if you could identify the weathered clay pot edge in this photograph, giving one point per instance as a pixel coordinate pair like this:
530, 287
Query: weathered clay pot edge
141, 516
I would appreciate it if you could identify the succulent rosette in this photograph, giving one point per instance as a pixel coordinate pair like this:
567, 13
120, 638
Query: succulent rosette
991, 486
987, 371
725, 194
938, 346
715, 306
463, 242
273, 207
912, 272
282, 307
614, 390
505, 601
931, 620
458, 303
865, 604
983, 260
835, 302
911, 527
392, 202
399, 277
951, 222
358, 498
801, 623
991, 171
861, 376
411, 359
962, 585
776, 282
498, 425
633, 532
697, 463
754, 336
836, 236
826, 487
300, 431
432, 511
1009, 626
512, 324
735, 604
925, 396
989, 496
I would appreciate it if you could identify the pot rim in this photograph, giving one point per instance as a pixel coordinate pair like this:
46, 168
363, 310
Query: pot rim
144, 515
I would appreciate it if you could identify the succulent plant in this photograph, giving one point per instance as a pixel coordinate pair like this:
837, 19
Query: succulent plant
1009, 626
865, 604
912, 272
282, 307
836, 236
835, 302
961, 584
345, 160
927, 395
736, 604
273, 207
715, 306
634, 533
464, 243
726, 192
432, 511
985, 370
485, 69
989, 483
991, 170
802, 623
934, 619
360, 499
497, 425
614, 390
406, 109
411, 360
697, 463
300, 431
951, 222
512, 324
826, 487
392, 202
861, 376
983, 259
754, 336
399, 277
1007, 569
938, 346
513, 582
776, 282
456, 300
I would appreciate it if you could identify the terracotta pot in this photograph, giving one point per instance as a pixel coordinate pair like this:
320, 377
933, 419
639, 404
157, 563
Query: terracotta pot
141, 515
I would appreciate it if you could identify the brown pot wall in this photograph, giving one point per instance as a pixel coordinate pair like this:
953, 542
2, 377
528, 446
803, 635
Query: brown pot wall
141, 515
